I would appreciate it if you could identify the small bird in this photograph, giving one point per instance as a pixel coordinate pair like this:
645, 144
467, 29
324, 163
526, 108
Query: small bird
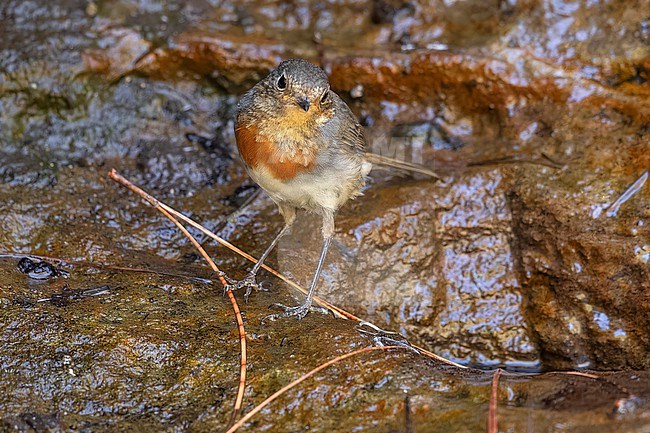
302, 144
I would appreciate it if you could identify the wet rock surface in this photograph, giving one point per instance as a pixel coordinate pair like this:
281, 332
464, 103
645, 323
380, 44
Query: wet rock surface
161, 353
536, 112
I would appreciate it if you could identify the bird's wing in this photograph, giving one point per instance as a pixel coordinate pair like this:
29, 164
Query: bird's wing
352, 135
350, 132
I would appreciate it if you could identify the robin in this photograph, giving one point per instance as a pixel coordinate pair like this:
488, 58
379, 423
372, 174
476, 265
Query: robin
303, 145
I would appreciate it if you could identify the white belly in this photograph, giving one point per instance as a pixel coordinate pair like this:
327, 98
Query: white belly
314, 191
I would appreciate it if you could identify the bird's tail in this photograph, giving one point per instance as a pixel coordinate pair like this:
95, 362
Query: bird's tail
401, 165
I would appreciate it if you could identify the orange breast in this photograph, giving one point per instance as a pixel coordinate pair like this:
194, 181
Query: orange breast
258, 151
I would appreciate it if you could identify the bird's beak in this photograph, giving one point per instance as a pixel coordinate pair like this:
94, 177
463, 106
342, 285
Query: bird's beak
303, 102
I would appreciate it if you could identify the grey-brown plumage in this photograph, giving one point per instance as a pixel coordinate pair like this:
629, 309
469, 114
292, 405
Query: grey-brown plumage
303, 145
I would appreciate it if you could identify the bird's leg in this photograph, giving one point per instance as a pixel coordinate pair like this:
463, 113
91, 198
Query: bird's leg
301, 311
289, 214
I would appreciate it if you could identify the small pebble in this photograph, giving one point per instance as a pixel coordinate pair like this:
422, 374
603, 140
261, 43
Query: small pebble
357, 91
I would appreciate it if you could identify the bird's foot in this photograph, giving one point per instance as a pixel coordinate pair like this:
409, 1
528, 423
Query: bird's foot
247, 282
298, 311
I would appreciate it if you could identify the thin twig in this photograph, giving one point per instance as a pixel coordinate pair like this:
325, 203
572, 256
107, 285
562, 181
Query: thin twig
493, 426
438, 357
575, 373
302, 378
170, 213
408, 427
629, 192
621, 388
61, 261
240, 323
231, 247
513, 160
339, 312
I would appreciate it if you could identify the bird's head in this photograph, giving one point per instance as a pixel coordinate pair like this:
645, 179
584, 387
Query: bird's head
299, 92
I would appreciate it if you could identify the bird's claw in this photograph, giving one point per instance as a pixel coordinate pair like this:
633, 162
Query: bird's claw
229, 281
247, 282
298, 311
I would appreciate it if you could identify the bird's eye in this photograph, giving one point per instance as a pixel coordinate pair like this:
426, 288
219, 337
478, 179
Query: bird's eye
324, 98
282, 82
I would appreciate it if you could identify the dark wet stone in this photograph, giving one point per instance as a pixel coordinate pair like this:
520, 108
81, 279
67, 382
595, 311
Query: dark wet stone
67, 296
39, 270
23, 302
384, 11
211, 145
587, 288
172, 364
241, 195
430, 261
33, 422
